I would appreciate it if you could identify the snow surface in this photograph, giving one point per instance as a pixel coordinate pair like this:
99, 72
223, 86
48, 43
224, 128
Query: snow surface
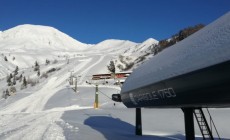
43, 36
51, 110
142, 47
112, 45
207, 47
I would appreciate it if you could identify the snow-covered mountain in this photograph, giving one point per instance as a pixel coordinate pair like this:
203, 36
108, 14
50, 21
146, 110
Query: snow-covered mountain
49, 108
113, 46
36, 37
135, 55
25, 44
142, 47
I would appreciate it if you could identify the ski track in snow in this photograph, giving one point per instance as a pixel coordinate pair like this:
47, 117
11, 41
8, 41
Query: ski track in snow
84, 73
26, 118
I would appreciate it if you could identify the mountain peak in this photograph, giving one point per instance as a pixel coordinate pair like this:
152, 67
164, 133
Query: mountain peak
151, 40
41, 36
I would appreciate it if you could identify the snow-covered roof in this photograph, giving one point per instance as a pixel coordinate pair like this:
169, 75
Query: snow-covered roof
207, 47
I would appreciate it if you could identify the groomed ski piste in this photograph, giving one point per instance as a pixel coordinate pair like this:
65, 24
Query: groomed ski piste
52, 110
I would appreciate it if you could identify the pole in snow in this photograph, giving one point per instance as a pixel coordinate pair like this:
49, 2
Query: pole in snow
138, 122
76, 85
96, 104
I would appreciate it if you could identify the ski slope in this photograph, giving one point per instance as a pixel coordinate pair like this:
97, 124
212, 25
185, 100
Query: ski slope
52, 110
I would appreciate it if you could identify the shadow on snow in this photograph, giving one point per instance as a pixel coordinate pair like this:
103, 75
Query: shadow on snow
114, 129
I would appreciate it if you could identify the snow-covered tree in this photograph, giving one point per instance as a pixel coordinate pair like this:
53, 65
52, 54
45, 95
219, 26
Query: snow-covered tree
37, 67
14, 80
8, 80
24, 83
16, 70
47, 61
7, 93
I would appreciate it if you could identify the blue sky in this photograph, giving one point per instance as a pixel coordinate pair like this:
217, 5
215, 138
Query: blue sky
92, 21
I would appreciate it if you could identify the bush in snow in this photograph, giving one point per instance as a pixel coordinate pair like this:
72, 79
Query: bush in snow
51, 70
120, 66
6, 94
8, 80
128, 66
38, 74
5, 58
44, 75
55, 61
140, 59
12, 90
47, 61
32, 82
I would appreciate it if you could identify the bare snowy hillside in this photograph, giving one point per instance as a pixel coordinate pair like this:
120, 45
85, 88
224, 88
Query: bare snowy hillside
142, 47
23, 45
36, 37
113, 46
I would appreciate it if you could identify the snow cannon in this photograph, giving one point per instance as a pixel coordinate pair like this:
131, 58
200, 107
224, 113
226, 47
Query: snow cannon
193, 73
207, 87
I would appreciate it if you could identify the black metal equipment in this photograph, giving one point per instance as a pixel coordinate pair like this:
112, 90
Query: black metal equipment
116, 97
204, 88
191, 75
200, 88
138, 122
203, 124
189, 123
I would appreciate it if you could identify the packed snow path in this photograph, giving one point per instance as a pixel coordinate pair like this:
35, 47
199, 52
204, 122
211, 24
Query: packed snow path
27, 118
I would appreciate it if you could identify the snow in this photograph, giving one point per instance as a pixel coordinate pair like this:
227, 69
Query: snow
112, 45
207, 47
52, 110
142, 47
44, 36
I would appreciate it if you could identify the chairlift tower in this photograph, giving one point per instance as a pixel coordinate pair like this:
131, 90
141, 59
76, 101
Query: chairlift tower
96, 102
75, 89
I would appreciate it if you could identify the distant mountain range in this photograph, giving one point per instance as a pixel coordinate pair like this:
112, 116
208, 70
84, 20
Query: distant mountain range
25, 44
36, 37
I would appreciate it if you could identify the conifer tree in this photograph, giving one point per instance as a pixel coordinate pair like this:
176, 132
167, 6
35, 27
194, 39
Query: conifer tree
8, 80
111, 67
20, 78
14, 80
7, 93
38, 74
37, 67
24, 83
16, 70
5, 58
